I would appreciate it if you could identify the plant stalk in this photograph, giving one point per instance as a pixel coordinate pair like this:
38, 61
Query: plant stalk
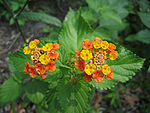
15, 17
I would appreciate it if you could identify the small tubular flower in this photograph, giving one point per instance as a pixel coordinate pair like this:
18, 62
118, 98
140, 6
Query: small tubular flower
89, 69
51, 66
44, 59
87, 78
104, 44
26, 50
32, 44
111, 47
80, 64
77, 53
110, 76
53, 54
92, 59
37, 41
97, 44
87, 44
27, 66
97, 73
97, 39
56, 46
98, 80
40, 69
106, 69
86, 55
113, 55
48, 47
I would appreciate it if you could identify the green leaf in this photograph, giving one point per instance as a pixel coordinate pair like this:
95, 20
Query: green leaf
142, 36
53, 105
16, 64
40, 17
144, 5
73, 98
124, 67
118, 5
75, 30
9, 91
110, 19
36, 91
39, 109
145, 18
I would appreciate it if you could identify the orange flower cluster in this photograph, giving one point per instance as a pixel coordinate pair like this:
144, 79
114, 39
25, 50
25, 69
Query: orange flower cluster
92, 59
43, 59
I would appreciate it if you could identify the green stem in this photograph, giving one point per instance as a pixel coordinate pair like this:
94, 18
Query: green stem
15, 18
13, 106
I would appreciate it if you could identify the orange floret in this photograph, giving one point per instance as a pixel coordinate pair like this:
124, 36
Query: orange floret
111, 47
113, 55
40, 69
99, 79
37, 41
110, 76
51, 66
87, 44
55, 46
27, 66
87, 78
97, 39
53, 54
80, 64
97, 74
77, 53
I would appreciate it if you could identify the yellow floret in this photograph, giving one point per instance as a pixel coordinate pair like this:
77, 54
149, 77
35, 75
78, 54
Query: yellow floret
48, 47
86, 55
44, 59
97, 44
26, 50
90, 68
106, 69
113, 55
32, 44
104, 45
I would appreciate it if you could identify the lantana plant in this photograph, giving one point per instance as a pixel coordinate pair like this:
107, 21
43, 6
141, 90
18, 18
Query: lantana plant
43, 58
64, 81
92, 59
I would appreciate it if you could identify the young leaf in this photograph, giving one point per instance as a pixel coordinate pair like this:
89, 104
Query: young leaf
40, 17
9, 91
124, 67
36, 91
73, 98
75, 30
145, 18
142, 36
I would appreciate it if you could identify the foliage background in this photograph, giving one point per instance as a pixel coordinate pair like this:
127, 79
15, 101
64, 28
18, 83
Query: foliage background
123, 21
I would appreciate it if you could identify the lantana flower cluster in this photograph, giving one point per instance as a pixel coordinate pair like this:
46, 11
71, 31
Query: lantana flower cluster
43, 59
92, 59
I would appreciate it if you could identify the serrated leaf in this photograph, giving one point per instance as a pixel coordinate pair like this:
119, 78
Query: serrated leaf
9, 91
124, 67
118, 5
145, 18
142, 36
73, 98
36, 91
40, 17
53, 104
16, 64
72, 34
